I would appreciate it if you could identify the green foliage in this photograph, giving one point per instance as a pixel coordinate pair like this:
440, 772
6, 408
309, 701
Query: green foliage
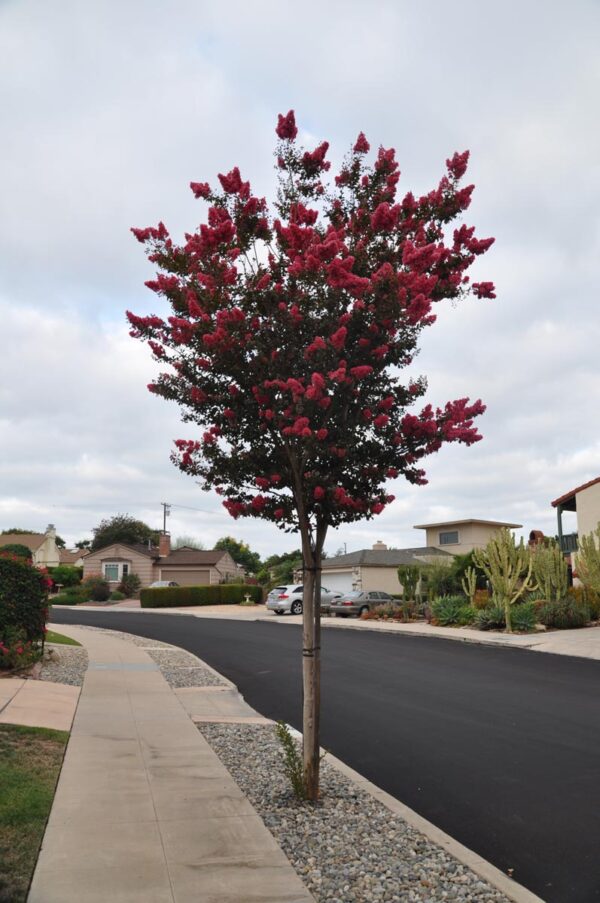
279, 569
23, 599
16, 548
587, 598
409, 576
240, 552
292, 760
66, 575
491, 618
71, 595
116, 596
96, 588
129, 585
122, 528
187, 542
588, 560
524, 617
439, 580
564, 614
508, 567
452, 610
220, 594
550, 571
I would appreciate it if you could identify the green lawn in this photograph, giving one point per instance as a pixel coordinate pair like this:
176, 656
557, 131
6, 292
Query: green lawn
52, 637
30, 761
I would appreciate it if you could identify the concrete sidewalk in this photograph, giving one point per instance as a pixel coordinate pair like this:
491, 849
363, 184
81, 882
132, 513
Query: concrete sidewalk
37, 703
144, 809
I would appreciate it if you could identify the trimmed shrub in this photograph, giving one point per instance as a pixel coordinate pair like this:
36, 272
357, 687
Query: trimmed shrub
116, 596
491, 618
66, 575
524, 617
220, 594
564, 615
23, 601
452, 610
96, 588
129, 586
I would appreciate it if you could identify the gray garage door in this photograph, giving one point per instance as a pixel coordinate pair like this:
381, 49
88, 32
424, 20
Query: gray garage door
185, 578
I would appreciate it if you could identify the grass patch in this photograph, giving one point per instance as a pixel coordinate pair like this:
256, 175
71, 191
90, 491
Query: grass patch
52, 637
30, 761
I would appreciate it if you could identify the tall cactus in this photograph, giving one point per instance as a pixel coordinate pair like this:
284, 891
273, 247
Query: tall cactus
508, 567
409, 576
588, 560
469, 584
550, 571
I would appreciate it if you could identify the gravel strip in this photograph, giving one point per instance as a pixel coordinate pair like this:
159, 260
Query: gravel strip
178, 667
64, 664
349, 848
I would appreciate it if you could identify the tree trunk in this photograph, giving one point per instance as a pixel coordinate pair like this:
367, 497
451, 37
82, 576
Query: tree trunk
311, 664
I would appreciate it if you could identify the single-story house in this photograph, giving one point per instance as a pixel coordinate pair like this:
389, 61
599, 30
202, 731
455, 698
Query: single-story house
44, 551
462, 536
584, 500
185, 566
376, 568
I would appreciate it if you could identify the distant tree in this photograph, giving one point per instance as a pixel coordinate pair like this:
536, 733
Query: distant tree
187, 542
83, 544
240, 552
279, 569
60, 542
122, 528
16, 548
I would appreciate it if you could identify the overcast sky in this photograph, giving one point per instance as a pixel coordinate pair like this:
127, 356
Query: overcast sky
107, 111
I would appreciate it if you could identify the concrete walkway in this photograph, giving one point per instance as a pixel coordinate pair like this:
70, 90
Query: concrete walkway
37, 703
144, 809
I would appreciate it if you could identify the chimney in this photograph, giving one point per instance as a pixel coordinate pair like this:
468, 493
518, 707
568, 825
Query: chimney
50, 530
379, 546
164, 545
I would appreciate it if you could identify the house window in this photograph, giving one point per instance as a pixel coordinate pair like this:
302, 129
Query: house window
449, 537
115, 571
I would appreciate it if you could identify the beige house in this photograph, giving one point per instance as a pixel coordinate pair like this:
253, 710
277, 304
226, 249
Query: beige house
458, 537
584, 500
45, 552
187, 567
375, 569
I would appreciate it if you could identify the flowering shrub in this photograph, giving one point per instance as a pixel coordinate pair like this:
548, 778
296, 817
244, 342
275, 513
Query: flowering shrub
23, 605
287, 333
16, 651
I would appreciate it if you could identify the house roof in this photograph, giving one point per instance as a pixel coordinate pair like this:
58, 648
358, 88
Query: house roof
66, 556
32, 540
382, 558
140, 547
199, 557
467, 520
570, 496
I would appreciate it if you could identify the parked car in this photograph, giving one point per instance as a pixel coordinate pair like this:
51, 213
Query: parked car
289, 599
357, 602
158, 584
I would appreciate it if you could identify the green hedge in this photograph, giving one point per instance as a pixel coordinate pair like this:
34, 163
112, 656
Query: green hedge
23, 598
221, 594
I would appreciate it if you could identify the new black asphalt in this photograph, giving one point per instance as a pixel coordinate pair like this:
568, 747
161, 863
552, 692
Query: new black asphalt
498, 747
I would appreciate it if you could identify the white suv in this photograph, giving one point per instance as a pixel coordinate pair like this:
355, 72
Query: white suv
289, 599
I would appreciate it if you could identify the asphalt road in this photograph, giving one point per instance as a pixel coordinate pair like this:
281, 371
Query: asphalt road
498, 747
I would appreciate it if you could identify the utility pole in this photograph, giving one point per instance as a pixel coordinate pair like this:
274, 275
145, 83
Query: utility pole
166, 511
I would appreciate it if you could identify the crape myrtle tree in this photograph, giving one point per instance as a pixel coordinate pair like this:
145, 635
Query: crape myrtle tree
289, 329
